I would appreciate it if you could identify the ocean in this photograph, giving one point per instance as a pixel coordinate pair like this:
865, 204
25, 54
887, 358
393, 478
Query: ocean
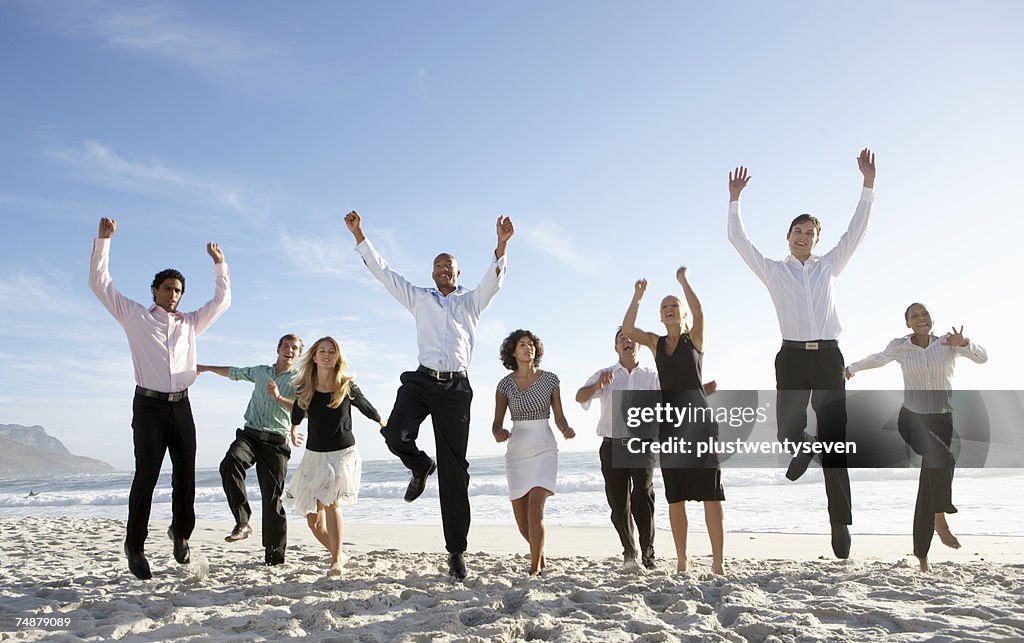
758, 500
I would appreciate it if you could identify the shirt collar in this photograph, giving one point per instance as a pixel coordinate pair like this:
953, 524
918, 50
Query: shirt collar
793, 260
155, 308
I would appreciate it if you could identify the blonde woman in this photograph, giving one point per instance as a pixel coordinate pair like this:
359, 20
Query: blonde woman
679, 356
328, 475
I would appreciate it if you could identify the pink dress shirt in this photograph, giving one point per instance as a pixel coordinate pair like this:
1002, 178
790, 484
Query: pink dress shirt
163, 345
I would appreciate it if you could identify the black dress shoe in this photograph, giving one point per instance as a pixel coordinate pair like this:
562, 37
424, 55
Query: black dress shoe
457, 566
419, 483
841, 540
240, 532
798, 465
137, 563
181, 550
275, 556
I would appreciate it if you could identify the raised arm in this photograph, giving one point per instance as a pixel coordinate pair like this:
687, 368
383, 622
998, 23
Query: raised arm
593, 386
696, 310
629, 329
500, 406
99, 274
963, 346
843, 252
396, 285
494, 276
751, 256
213, 309
275, 394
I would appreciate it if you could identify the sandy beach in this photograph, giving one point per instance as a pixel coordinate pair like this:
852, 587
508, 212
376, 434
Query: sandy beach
71, 576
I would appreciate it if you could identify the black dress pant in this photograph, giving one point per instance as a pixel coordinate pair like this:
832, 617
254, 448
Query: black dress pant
630, 493
816, 376
270, 453
158, 427
447, 403
930, 436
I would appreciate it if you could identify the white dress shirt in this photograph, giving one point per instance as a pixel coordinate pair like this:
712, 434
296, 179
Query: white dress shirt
445, 326
804, 293
163, 344
639, 379
926, 371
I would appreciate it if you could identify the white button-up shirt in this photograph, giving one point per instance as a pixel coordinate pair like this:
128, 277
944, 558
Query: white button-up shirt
926, 371
163, 344
445, 326
804, 293
639, 379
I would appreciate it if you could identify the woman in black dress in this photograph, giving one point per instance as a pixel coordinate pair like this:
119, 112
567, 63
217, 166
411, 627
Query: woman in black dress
678, 356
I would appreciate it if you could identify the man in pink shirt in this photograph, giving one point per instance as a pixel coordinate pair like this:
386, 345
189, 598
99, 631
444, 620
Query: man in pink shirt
163, 347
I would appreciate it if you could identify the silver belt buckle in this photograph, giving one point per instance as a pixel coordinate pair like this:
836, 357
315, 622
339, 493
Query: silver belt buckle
811, 346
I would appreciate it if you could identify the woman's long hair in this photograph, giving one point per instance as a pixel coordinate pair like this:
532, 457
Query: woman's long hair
306, 378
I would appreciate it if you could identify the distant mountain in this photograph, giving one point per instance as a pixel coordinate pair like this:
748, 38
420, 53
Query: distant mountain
30, 451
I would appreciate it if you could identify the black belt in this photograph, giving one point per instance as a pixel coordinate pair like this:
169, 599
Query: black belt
265, 436
817, 344
157, 395
443, 375
620, 441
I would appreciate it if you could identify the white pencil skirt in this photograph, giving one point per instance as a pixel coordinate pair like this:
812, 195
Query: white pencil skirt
531, 458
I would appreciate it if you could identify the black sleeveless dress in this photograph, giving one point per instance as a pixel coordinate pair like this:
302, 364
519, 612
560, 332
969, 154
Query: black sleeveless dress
686, 476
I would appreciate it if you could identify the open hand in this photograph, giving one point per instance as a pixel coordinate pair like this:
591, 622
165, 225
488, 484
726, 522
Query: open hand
866, 163
738, 180
956, 338
639, 288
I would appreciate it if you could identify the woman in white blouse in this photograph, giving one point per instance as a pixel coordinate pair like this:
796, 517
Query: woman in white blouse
926, 419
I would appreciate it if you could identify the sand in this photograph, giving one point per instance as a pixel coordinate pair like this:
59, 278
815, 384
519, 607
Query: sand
71, 576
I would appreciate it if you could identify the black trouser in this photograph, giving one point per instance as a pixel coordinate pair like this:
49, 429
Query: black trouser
817, 376
447, 403
269, 452
930, 436
630, 493
159, 426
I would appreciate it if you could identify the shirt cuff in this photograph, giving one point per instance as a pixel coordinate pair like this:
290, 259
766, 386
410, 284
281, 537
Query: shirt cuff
101, 243
867, 194
364, 247
220, 269
234, 373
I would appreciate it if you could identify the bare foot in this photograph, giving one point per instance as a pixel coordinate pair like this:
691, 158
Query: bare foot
923, 562
718, 568
684, 564
946, 536
335, 569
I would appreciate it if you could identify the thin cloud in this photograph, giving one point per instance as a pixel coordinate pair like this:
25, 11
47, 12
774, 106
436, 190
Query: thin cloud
96, 163
553, 240
166, 34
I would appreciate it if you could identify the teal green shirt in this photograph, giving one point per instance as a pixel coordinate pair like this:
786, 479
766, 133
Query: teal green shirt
263, 412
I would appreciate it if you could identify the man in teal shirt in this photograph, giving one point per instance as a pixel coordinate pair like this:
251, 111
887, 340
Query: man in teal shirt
263, 442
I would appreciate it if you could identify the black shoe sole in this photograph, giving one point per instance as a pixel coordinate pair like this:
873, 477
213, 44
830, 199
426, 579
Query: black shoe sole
409, 494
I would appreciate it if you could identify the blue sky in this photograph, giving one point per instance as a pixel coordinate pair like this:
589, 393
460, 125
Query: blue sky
605, 130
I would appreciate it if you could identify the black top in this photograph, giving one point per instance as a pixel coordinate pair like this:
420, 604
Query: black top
331, 429
680, 371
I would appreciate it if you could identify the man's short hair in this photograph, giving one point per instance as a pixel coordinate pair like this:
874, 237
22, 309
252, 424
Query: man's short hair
291, 336
806, 217
170, 273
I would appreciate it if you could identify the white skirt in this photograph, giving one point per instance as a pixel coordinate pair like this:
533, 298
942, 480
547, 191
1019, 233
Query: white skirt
330, 477
531, 458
